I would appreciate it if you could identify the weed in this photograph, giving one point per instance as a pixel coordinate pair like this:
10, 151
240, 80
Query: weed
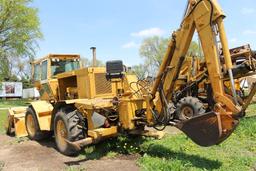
114, 146
75, 168
2, 164
19, 140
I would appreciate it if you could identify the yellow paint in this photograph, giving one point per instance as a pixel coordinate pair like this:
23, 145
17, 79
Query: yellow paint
17, 117
43, 110
127, 108
100, 133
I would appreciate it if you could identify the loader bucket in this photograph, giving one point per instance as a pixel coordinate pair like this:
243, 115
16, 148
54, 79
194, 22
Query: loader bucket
209, 129
16, 122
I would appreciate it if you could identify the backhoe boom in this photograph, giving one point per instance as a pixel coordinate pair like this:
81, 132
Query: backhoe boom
205, 17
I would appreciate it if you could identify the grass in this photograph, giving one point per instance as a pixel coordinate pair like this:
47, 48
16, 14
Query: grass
1, 165
113, 147
179, 153
251, 110
3, 118
12, 103
74, 168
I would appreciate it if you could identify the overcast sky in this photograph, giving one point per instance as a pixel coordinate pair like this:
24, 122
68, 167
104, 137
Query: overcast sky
117, 27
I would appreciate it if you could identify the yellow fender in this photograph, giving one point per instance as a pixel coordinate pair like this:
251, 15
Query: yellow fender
43, 110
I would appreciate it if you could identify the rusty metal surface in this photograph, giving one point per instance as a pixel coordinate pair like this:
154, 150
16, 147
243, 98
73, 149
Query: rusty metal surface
209, 129
229, 124
242, 51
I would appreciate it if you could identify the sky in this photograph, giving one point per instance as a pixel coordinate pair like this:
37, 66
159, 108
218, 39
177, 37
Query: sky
117, 27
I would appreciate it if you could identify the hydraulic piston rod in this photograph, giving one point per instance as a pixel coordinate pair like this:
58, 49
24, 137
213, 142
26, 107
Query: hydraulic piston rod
227, 57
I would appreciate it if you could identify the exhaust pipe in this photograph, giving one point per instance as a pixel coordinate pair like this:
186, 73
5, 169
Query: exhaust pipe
94, 58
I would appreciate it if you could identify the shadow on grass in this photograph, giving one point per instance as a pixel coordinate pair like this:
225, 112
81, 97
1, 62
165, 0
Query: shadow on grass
250, 117
197, 161
133, 145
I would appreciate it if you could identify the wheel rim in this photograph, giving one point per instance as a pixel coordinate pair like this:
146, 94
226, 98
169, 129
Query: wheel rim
187, 112
61, 133
31, 125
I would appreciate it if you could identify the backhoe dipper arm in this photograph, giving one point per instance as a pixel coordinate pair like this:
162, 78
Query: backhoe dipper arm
205, 17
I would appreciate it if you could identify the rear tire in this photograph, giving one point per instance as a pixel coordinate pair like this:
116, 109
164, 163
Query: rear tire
32, 126
189, 107
68, 126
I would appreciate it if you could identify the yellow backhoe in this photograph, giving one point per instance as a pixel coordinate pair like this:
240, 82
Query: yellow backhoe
84, 106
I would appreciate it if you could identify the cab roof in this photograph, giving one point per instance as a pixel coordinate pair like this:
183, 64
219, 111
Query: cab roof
59, 56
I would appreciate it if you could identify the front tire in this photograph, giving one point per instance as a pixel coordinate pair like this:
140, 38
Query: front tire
68, 126
32, 126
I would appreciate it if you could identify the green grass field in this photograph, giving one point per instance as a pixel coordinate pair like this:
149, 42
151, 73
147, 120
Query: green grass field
177, 152
12, 103
3, 118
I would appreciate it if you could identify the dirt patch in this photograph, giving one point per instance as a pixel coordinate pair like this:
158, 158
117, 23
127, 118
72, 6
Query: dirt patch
111, 164
23, 154
172, 130
31, 155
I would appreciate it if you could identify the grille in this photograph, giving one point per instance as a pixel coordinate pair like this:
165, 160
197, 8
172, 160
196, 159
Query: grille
102, 86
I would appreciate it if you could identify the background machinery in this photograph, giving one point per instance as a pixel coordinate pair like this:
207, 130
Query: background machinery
84, 106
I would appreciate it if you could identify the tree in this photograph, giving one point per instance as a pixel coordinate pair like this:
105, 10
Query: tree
140, 71
19, 32
153, 50
26, 82
194, 49
88, 63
